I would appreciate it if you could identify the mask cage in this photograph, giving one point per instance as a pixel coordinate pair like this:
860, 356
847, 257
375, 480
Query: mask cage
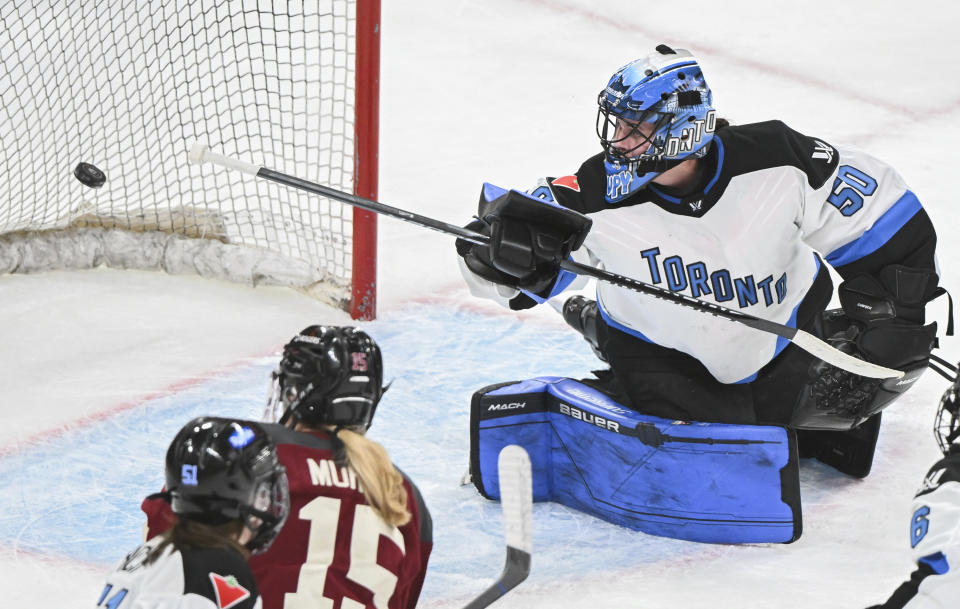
607, 120
947, 426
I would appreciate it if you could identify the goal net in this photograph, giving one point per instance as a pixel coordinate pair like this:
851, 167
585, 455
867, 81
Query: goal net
129, 86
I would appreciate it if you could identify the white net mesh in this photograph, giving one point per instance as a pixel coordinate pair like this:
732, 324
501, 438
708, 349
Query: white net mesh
129, 86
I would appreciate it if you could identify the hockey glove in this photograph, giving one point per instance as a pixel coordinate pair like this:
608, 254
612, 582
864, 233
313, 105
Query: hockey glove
517, 255
477, 257
835, 398
528, 241
888, 311
882, 322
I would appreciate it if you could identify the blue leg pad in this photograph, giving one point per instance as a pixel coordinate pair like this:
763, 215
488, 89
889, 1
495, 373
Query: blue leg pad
706, 482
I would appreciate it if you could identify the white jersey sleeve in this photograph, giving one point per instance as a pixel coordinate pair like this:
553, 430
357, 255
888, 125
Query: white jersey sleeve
873, 202
483, 288
935, 542
203, 579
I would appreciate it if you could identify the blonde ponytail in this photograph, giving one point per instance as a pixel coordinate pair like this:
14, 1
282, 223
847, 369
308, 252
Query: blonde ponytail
382, 483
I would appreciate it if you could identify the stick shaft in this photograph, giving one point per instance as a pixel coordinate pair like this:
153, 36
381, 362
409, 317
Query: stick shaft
370, 205
804, 340
200, 153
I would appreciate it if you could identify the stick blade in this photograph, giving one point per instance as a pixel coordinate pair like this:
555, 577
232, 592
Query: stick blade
813, 345
516, 497
516, 502
197, 152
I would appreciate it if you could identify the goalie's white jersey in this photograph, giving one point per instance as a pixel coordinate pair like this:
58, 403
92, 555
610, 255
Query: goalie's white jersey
935, 542
755, 251
209, 578
772, 205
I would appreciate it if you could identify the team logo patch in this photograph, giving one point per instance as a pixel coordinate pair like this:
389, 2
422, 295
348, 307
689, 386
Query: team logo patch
932, 480
567, 182
241, 437
228, 590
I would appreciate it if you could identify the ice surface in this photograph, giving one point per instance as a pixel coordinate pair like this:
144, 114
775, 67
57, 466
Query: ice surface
101, 367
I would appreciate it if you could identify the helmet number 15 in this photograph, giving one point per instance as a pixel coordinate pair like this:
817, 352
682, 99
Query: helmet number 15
324, 514
849, 189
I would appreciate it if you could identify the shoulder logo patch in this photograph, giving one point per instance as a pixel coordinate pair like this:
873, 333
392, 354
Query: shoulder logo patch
822, 151
932, 480
228, 590
567, 182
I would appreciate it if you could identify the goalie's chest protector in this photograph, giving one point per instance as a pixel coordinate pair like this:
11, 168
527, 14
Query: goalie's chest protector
736, 242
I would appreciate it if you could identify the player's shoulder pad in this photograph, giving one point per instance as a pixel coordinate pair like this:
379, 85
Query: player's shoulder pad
136, 559
769, 144
582, 191
943, 471
221, 575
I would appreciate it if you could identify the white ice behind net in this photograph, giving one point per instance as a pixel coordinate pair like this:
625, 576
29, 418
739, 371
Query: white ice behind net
128, 87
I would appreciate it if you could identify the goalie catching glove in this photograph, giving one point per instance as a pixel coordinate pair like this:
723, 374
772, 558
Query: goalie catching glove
529, 239
881, 321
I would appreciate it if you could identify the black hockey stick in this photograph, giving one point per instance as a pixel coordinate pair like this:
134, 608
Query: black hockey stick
201, 153
516, 501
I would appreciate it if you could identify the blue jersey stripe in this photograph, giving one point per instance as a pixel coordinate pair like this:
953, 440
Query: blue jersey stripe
716, 176
719, 144
664, 195
937, 562
878, 234
606, 317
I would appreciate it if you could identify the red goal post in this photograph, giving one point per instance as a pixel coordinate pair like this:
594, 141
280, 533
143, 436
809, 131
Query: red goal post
363, 301
127, 86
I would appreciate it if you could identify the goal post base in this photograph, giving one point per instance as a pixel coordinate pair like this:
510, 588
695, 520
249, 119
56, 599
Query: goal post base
91, 247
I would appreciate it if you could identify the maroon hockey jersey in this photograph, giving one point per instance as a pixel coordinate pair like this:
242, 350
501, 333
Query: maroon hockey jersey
333, 546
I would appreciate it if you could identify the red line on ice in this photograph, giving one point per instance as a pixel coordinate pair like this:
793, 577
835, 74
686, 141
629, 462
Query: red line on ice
90, 419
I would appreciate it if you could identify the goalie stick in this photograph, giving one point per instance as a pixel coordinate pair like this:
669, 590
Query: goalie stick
201, 153
516, 502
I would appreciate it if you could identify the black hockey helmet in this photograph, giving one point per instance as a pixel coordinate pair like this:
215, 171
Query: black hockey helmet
947, 426
218, 470
328, 375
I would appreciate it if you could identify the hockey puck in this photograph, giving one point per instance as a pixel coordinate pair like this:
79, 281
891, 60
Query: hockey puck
90, 175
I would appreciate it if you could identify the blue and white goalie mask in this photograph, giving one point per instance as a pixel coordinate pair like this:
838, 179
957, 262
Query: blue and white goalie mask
654, 113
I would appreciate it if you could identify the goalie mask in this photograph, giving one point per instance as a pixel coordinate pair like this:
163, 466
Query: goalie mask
328, 375
654, 113
218, 470
947, 427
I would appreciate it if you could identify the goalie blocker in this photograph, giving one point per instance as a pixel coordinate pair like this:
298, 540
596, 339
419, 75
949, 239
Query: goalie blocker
528, 240
705, 482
